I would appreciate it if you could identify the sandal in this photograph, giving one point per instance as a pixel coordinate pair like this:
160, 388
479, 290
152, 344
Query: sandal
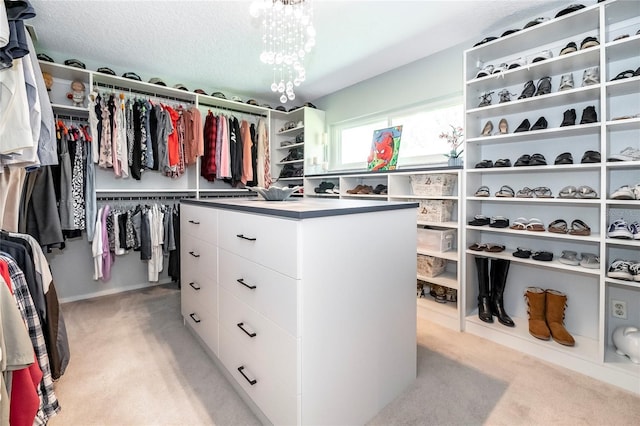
483, 191
542, 192
502, 162
494, 248
505, 191
520, 224
545, 256
578, 227
568, 192
499, 222
535, 225
586, 192
525, 192
558, 226
484, 164
479, 220
522, 253
537, 160
523, 160
477, 247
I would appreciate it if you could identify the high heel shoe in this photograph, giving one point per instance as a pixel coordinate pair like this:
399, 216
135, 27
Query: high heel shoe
528, 90
486, 131
544, 86
505, 95
503, 127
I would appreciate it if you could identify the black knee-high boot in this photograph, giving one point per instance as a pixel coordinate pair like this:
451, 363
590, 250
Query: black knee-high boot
484, 308
499, 271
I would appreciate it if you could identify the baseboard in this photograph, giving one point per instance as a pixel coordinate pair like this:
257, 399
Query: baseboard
111, 291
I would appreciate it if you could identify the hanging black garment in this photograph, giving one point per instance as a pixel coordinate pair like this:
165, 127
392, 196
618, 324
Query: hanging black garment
174, 256
236, 163
136, 157
254, 155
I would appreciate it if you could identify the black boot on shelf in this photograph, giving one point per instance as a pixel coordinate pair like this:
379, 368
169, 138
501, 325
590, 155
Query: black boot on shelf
589, 115
499, 271
484, 307
569, 118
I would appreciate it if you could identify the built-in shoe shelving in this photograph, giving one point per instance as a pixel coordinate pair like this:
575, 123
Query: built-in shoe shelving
588, 314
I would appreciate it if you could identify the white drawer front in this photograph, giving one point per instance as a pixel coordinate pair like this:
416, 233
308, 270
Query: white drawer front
202, 320
271, 293
198, 272
266, 240
271, 392
199, 222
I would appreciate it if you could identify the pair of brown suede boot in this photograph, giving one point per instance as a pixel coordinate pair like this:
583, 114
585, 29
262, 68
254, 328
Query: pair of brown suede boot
546, 315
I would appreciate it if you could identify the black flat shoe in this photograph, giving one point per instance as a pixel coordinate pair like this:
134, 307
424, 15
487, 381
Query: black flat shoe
503, 162
523, 127
591, 157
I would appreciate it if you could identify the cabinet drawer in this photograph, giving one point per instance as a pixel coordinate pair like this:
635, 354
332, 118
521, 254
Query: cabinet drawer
203, 320
272, 392
271, 293
266, 240
198, 260
199, 222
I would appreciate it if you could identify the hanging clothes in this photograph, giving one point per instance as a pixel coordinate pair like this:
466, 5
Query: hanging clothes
247, 146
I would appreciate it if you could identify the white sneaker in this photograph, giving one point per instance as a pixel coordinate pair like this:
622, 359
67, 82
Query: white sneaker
620, 269
635, 230
636, 191
634, 269
623, 193
627, 154
619, 229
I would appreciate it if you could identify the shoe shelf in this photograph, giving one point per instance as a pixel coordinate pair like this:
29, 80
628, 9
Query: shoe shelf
632, 123
290, 162
537, 135
450, 224
288, 147
588, 316
517, 77
449, 255
585, 348
553, 264
290, 132
593, 238
60, 109
448, 309
447, 279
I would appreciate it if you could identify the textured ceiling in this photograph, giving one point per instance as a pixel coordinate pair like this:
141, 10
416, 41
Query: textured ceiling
215, 45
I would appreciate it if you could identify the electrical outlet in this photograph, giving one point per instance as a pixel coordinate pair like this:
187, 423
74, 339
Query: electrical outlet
619, 309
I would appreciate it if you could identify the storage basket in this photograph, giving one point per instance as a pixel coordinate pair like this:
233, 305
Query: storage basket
433, 184
435, 210
429, 266
438, 240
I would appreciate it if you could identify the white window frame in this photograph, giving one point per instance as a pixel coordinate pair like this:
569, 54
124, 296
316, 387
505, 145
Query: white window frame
336, 129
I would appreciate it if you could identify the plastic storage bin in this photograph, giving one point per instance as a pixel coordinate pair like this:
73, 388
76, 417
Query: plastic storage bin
435, 239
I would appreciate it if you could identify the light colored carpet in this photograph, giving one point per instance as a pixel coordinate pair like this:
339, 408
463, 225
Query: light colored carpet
134, 364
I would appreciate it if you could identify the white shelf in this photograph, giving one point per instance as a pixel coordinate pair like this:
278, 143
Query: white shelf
611, 99
447, 279
453, 225
449, 255
60, 109
290, 131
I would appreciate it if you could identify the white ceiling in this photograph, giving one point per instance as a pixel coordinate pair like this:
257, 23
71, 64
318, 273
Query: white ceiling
215, 45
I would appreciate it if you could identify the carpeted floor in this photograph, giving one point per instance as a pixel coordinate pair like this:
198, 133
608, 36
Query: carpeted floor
134, 364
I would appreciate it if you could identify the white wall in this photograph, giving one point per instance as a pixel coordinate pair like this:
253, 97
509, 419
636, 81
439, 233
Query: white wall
432, 77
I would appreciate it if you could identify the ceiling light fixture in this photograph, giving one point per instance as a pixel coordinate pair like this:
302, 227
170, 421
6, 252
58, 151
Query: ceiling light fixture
288, 36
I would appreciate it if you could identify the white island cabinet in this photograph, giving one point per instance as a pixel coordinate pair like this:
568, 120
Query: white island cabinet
309, 305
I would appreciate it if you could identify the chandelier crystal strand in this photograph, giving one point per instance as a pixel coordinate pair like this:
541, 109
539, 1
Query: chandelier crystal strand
288, 36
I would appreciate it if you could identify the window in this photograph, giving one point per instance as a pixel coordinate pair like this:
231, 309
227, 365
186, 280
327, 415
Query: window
420, 143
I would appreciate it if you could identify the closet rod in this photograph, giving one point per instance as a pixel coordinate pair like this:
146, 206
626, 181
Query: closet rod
143, 197
255, 114
143, 92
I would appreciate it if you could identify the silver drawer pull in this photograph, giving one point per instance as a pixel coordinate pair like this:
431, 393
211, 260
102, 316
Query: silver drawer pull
241, 281
251, 382
195, 318
194, 254
195, 286
241, 327
246, 238
195, 222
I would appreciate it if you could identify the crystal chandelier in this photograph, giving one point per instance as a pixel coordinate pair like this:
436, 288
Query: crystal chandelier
288, 35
